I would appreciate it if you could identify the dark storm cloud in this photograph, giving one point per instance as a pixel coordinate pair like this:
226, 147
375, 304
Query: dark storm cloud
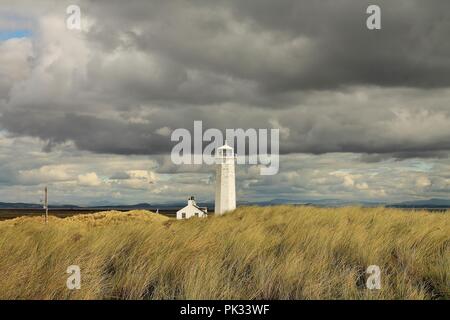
310, 68
410, 50
120, 176
88, 133
375, 157
290, 44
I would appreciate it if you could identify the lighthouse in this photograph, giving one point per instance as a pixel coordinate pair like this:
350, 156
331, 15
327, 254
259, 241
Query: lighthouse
225, 180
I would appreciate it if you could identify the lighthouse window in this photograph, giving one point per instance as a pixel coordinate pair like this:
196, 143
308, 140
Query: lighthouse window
183, 215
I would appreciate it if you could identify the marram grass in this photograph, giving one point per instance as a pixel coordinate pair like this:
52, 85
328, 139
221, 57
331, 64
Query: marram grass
279, 252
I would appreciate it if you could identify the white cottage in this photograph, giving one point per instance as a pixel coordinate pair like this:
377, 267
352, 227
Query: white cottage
192, 210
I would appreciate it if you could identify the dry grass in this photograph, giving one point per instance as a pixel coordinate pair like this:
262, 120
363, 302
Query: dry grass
253, 253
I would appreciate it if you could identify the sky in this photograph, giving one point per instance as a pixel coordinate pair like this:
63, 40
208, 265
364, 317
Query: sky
364, 115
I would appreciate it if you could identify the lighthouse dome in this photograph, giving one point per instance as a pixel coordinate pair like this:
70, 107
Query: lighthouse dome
225, 151
225, 147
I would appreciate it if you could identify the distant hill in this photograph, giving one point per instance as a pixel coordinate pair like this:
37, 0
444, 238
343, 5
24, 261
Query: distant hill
431, 203
321, 203
121, 206
21, 205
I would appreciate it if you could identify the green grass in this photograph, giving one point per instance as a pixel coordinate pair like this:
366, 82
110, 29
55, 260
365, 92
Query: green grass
279, 252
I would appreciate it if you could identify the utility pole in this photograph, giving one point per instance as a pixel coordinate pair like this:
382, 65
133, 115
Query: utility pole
46, 204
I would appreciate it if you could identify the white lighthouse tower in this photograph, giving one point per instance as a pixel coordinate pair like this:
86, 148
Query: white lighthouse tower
225, 180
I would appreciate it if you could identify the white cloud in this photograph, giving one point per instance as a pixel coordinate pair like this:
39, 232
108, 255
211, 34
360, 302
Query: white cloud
164, 131
45, 174
89, 180
136, 179
423, 182
362, 186
15, 55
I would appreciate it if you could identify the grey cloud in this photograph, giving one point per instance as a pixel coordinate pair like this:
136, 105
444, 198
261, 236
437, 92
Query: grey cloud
87, 132
301, 177
399, 126
312, 67
120, 176
306, 44
374, 158
408, 51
